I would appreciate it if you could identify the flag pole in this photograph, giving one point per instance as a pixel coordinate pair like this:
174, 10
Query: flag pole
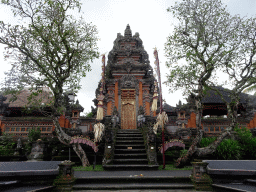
101, 96
160, 98
100, 103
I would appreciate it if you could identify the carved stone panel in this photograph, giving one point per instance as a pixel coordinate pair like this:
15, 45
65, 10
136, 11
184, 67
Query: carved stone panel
129, 82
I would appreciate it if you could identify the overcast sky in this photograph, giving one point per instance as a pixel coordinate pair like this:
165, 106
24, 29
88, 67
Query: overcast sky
148, 17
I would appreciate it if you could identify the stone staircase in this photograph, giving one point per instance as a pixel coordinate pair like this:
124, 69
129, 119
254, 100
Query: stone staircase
132, 180
130, 152
131, 171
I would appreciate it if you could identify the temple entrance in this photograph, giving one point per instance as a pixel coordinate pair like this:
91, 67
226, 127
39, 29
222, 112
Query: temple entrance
128, 109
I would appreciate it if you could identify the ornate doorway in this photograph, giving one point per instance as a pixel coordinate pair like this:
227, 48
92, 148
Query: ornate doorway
128, 109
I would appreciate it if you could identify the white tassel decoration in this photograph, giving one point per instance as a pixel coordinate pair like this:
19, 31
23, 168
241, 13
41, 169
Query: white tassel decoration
154, 104
155, 128
161, 120
98, 131
100, 111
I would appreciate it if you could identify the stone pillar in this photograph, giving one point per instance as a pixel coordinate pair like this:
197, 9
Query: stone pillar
109, 108
116, 94
140, 94
201, 180
147, 111
65, 181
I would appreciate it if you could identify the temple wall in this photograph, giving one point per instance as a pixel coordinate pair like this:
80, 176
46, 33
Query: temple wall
192, 121
21, 127
252, 123
215, 128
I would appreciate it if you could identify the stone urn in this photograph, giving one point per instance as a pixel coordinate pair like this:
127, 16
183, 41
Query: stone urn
37, 152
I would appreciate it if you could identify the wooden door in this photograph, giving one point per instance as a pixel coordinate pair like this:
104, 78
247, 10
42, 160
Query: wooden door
128, 109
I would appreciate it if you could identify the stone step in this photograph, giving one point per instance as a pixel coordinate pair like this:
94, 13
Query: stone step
133, 146
128, 130
130, 161
129, 151
125, 157
129, 141
131, 155
128, 135
130, 167
115, 186
128, 138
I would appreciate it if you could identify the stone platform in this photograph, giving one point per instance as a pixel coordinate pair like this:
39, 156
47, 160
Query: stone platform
28, 176
232, 175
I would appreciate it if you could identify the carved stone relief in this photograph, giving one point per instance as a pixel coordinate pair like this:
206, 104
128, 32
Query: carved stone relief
128, 82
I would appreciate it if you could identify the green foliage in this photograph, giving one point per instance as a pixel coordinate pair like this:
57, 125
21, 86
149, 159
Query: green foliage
244, 133
7, 144
171, 167
206, 141
89, 168
248, 148
89, 115
229, 149
62, 180
183, 152
206, 39
34, 134
51, 49
196, 42
247, 142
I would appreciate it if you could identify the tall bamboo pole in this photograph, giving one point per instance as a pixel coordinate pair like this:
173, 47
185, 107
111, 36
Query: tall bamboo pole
101, 96
160, 98
100, 99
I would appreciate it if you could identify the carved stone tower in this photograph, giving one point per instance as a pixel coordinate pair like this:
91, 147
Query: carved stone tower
129, 80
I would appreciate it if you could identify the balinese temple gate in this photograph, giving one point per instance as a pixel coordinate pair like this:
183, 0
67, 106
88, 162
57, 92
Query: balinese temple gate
129, 80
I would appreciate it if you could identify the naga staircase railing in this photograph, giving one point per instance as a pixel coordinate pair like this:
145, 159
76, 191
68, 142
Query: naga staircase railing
110, 141
149, 140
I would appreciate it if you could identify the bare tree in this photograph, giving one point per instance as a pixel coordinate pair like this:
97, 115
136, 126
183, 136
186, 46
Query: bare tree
207, 38
52, 49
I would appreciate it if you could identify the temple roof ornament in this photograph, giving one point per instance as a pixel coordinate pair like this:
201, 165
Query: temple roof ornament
128, 53
128, 64
128, 32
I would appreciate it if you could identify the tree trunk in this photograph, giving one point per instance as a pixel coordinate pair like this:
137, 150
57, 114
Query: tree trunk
65, 139
62, 136
200, 152
181, 161
232, 111
81, 154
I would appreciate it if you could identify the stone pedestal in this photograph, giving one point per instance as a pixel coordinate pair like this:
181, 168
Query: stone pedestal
65, 181
199, 177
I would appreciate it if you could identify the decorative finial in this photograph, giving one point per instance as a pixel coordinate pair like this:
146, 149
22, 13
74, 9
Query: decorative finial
128, 32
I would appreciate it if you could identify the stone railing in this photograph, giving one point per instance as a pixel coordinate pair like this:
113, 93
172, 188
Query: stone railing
66, 179
110, 141
199, 177
149, 140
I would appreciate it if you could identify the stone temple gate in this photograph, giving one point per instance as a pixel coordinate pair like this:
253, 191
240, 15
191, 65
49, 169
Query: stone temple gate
129, 80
